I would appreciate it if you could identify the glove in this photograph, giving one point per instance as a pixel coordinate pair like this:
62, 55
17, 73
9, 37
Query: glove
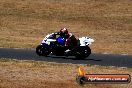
57, 33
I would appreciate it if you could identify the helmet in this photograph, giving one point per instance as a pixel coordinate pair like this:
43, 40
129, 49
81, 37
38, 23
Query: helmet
63, 32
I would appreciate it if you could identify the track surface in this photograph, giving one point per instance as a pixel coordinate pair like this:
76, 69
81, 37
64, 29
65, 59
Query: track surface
93, 59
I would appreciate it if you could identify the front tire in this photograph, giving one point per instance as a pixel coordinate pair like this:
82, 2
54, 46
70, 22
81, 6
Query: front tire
42, 50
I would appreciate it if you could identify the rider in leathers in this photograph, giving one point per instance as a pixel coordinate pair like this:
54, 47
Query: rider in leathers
70, 40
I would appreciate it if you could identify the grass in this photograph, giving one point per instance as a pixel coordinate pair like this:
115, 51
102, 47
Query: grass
24, 23
34, 74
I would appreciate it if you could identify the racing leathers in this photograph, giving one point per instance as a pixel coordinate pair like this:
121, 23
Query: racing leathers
70, 40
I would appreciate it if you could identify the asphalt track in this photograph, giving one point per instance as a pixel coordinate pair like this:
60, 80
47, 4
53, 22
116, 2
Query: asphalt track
93, 59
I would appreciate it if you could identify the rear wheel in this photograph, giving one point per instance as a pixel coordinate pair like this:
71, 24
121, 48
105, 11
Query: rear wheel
82, 52
42, 50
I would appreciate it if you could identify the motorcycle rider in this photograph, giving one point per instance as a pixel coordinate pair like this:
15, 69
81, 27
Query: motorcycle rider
70, 40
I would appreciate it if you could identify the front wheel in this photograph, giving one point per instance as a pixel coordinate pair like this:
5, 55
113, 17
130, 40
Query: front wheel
42, 50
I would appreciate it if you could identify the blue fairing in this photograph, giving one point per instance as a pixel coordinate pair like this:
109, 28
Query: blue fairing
60, 40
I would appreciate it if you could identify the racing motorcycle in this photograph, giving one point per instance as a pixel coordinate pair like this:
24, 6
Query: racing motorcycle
55, 45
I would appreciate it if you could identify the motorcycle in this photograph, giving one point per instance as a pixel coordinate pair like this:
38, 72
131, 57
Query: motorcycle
55, 44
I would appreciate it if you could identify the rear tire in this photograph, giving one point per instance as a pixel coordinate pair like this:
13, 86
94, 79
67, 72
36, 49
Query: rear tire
82, 52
